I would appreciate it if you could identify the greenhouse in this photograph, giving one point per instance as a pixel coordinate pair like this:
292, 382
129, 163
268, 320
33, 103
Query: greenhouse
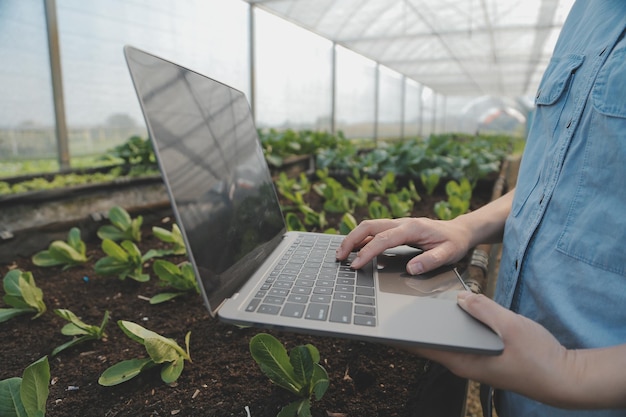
158, 158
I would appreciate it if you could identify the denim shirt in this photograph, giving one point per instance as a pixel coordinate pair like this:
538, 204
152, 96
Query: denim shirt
564, 254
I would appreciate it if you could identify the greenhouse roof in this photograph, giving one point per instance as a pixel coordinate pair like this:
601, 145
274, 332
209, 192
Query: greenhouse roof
457, 48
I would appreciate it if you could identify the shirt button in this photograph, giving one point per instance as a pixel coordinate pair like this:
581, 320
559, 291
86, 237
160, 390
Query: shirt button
569, 123
538, 94
516, 264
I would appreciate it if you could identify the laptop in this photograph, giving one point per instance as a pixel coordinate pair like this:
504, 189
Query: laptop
250, 269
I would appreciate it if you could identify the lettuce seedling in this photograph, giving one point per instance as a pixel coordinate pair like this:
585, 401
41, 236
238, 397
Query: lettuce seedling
175, 238
124, 260
68, 254
162, 351
122, 226
26, 396
76, 327
181, 278
299, 372
22, 294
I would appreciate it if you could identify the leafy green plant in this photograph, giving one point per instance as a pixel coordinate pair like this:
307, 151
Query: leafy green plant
348, 223
135, 151
378, 210
161, 351
122, 226
79, 330
173, 237
180, 277
124, 260
22, 294
459, 197
299, 372
430, 179
26, 396
69, 254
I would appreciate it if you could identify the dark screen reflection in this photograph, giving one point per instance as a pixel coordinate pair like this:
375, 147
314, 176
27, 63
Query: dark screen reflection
210, 156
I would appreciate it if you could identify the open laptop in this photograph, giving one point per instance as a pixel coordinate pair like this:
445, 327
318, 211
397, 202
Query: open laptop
250, 270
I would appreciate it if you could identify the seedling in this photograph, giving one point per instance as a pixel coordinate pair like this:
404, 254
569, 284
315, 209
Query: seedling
122, 226
161, 351
299, 372
124, 260
181, 278
68, 254
430, 179
175, 238
76, 327
378, 210
22, 294
26, 396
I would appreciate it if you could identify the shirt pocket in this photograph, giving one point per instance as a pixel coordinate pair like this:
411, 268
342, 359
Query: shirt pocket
609, 91
549, 102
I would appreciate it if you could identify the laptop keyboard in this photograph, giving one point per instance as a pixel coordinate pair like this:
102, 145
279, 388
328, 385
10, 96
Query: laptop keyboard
309, 283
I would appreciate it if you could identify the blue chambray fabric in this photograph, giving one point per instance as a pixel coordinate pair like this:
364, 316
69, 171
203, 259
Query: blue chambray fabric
564, 253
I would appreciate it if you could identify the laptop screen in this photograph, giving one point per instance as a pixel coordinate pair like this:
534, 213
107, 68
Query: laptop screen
211, 159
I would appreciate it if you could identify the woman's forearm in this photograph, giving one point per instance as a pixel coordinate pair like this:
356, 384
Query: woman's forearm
486, 225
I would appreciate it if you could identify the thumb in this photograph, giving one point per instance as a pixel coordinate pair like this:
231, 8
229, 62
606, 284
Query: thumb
428, 260
484, 310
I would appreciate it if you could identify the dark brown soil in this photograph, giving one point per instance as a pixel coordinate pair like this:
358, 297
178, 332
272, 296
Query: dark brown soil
366, 379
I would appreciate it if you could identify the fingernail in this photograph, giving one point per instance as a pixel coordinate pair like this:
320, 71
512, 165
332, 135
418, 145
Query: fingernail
416, 268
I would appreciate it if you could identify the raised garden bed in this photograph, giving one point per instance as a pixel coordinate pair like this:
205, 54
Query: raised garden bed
365, 379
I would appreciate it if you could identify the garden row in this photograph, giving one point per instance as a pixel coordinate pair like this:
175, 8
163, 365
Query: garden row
299, 372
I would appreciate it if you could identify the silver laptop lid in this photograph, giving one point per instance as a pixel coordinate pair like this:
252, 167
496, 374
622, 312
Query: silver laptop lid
221, 191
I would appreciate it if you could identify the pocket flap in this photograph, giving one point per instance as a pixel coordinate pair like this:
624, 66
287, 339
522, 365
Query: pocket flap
556, 77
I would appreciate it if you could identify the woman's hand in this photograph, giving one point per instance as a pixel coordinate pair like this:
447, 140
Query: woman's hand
535, 364
443, 242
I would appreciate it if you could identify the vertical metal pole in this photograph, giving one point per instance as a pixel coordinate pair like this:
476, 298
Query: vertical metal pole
444, 111
434, 121
403, 107
333, 92
63, 150
251, 57
420, 116
376, 99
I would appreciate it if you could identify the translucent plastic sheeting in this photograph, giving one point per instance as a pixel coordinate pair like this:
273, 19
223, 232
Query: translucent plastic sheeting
462, 47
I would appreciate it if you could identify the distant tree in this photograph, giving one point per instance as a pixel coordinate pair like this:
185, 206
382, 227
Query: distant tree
120, 120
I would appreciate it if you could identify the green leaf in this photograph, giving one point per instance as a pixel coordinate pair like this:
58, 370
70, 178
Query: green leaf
119, 218
75, 241
11, 282
34, 390
302, 363
114, 250
171, 371
9, 313
69, 344
272, 358
46, 259
161, 350
123, 371
165, 296
10, 401
110, 232
32, 295
320, 381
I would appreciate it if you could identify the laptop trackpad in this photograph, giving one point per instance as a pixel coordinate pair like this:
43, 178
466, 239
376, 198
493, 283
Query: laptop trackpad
393, 278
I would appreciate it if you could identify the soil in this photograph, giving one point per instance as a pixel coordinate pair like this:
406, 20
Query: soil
365, 379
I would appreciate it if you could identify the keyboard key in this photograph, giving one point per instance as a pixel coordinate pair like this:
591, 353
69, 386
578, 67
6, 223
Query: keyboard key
365, 321
293, 310
317, 312
359, 299
345, 296
341, 312
364, 310
274, 300
297, 298
368, 291
253, 304
317, 298
268, 309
